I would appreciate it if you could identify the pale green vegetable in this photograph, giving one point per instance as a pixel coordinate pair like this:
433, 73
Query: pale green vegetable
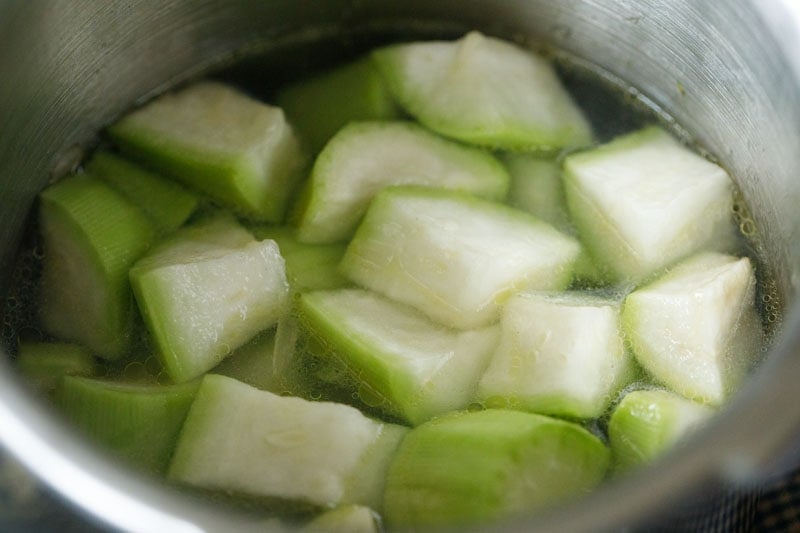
44, 363
412, 367
239, 151
696, 329
316, 452
308, 266
344, 519
536, 187
484, 91
455, 257
647, 423
91, 236
365, 157
254, 364
167, 204
644, 201
138, 422
470, 468
559, 354
320, 106
206, 291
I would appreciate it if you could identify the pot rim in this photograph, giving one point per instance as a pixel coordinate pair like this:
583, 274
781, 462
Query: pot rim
726, 453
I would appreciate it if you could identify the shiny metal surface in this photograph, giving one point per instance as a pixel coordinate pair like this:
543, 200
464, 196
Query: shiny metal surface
728, 72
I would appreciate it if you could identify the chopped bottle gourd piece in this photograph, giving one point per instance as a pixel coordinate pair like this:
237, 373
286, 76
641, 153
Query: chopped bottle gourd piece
417, 369
44, 363
536, 188
239, 151
253, 363
206, 291
471, 467
647, 423
484, 91
167, 204
320, 106
317, 452
91, 236
454, 257
696, 329
138, 422
560, 354
344, 519
308, 266
365, 157
644, 201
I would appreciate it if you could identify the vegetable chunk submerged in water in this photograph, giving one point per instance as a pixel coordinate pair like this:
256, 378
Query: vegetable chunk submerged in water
454, 257
484, 91
318, 452
465, 468
644, 201
696, 329
206, 291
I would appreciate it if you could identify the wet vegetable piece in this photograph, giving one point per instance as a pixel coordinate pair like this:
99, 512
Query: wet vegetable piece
544, 365
166, 203
137, 422
644, 201
472, 467
318, 452
454, 257
364, 158
696, 329
647, 423
416, 368
484, 91
320, 106
92, 235
207, 290
239, 151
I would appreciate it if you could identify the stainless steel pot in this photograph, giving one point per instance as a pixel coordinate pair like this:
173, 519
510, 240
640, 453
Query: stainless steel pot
728, 72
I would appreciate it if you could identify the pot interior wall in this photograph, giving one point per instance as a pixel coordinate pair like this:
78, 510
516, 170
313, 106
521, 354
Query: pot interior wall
70, 69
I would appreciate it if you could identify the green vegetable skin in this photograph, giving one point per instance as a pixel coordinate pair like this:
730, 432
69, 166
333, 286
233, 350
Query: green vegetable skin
647, 423
92, 236
139, 423
484, 91
207, 290
237, 150
167, 204
537, 188
365, 157
320, 106
465, 468
344, 519
44, 363
417, 369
